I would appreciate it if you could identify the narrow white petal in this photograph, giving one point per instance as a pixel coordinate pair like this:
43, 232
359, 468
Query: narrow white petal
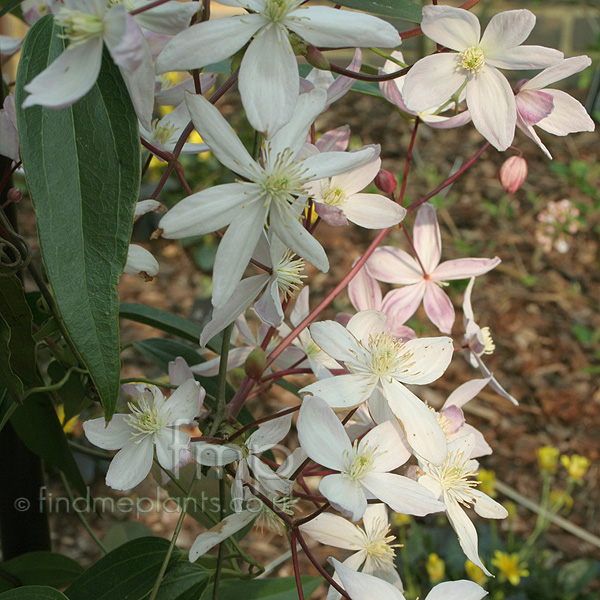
487, 507
345, 495
269, 434
491, 102
430, 359
366, 324
330, 28
140, 85
335, 340
563, 69
362, 586
568, 115
385, 439
169, 443
219, 135
131, 464
124, 39
184, 403
70, 77
208, 42
140, 260
214, 455
457, 590
208, 210
169, 18
364, 291
451, 27
465, 392
334, 530
110, 437
341, 391
269, 82
427, 237
321, 434
220, 532
373, 211
328, 164
402, 494
526, 57
391, 265
357, 180
506, 30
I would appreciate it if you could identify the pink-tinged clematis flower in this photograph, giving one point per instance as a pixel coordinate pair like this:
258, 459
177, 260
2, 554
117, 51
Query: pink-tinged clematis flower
274, 189
365, 294
153, 423
435, 79
364, 467
434, 117
372, 543
362, 586
552, 110
269, 81
88, 25
478, 341
379, 366
424, 278
454, 483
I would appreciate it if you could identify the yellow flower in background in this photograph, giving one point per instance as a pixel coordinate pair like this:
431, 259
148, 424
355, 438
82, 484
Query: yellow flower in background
576, 465
400, 520
510, 567
561, 497
548, 458
511, 508
487, 482
436, 568
70, 424
474, 573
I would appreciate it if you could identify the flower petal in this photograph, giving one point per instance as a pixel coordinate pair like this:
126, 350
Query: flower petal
109, 437
533, 105
568, 115
385, 440
345, 495
526, 57
451, 27
487, 507
362, 586
124, 39
364, 291
563, 69
491, 103
328, 164
215, 455
427, 237
430, 359
68, 78
131, 464
269, 82
465, 392
457, 590
169, 443
438, 307
169, 18
327, 27
335, 340
208, 42
185, 402
401, 304
341, 391
334, 530
269, 434
366, 324
391, 265
505, 31
373, 211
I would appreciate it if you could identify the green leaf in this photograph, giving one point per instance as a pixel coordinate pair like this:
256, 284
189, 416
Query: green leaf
185, 581
127, 572
282, 588
121, 533
11, 5
37, 424
33, 592
41, 568
161, 319
395, 9
8, 378
84, 197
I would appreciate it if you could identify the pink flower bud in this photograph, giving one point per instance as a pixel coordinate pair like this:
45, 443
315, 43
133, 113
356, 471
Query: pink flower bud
513, 173
385, 182
316, 58
14, 195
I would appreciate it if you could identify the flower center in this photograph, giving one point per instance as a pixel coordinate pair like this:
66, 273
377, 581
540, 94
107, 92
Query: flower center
266, 516
379, 546
360, 461
455, 476
289, 278
334, 196
277, 10
79, 27
488, 342
164, 133
472, 59
384, 355
145, 418
283, 180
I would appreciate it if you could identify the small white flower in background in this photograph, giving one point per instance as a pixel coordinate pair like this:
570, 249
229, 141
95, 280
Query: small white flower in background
165, 132
9, 45
141, 262
337, 200
434, 117
153, 423
372, 543
275, 191
478, 341
9, 135
362, 586
88, 25
552, 110
454, 483
556, 225
269, 81
247, 455
379, 366
319, 362
363, 465
435, 79
284, 280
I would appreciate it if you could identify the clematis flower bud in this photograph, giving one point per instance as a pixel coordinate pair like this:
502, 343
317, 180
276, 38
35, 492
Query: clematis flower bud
316, 58
385, 182
14, 195
513, 173
255, 363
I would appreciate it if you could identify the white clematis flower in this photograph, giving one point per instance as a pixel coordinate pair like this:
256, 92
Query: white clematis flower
364, 466
379, 365
490, 99
269, 81
454, 484
362, 586
88, 25
372, 543
552, 110
275, 191
153, 423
